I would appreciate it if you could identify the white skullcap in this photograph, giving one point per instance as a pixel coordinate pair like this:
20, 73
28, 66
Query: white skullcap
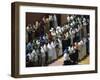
71, 17
79, 43
71, 24
68, 18
27, 27
37, 42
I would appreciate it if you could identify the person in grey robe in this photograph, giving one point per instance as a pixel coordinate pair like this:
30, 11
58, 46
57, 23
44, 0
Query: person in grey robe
54, 55
55, 21
43, 55
50, 52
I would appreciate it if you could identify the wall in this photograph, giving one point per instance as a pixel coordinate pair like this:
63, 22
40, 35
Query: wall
33, 17
5, 40
63, 19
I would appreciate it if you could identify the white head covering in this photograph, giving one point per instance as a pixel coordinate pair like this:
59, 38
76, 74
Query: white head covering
51, 29
71, 24
71, 17
37, 42
68, 18
67, 26
58, 27
50, 17
70, 49
80, 43
27, 28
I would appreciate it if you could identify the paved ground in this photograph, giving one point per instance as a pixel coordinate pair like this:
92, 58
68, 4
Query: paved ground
57, 63
60, 62
85, 61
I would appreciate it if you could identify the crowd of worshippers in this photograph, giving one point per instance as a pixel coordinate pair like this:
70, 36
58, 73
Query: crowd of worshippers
46, 41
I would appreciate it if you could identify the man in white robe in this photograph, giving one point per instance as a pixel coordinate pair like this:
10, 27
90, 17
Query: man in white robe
50, 52
60, 47
46, 53
34, 57
43, 56
54, 55
67, 60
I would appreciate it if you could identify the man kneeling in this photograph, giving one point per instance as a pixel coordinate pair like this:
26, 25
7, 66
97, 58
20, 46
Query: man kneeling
67, 60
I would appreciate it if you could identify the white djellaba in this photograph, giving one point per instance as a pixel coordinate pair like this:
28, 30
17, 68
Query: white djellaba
60, 47
72, 17
71, 35
34, 56
27, 30
67, 26
43, 55
55, 20
53, 33
82, 49
29, 56
68, 18
66, 56
50, 52
45, 48
62, 29
58, 31
54, 55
